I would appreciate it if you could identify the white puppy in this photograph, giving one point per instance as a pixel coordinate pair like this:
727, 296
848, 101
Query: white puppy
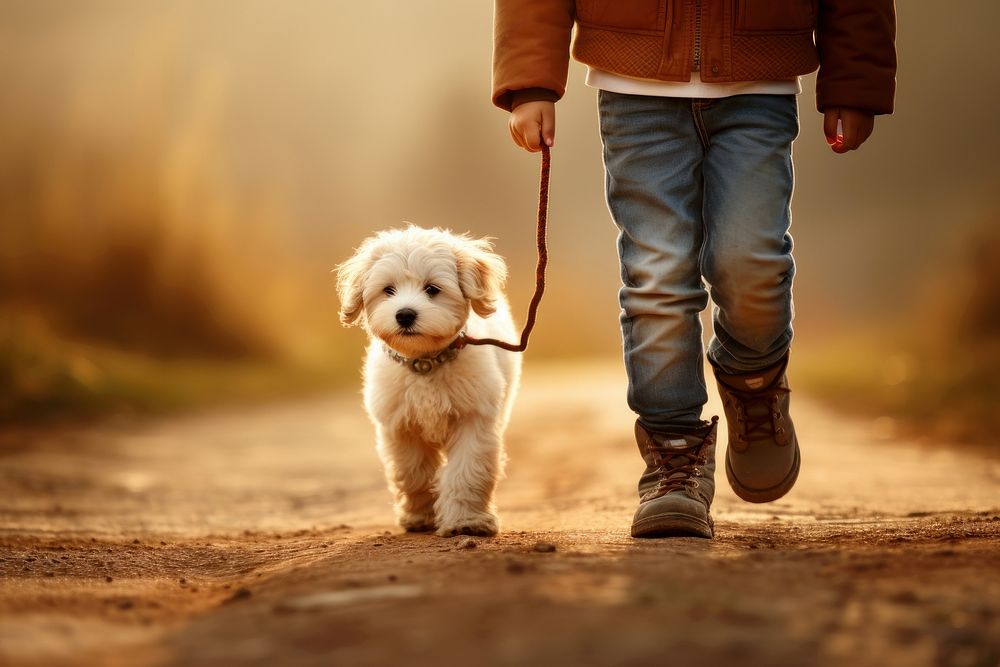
439, 412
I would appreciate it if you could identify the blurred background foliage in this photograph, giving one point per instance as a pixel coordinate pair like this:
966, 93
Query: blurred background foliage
177, 179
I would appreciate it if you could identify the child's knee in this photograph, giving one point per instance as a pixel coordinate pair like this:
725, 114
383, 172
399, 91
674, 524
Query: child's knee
753, 290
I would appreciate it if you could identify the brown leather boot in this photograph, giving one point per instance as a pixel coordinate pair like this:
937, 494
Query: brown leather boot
762, 458
676, 491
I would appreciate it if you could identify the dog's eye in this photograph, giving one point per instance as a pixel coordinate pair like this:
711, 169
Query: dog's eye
390, 290
432, 290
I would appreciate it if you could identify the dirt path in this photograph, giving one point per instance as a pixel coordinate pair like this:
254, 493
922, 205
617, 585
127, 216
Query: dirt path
266, 539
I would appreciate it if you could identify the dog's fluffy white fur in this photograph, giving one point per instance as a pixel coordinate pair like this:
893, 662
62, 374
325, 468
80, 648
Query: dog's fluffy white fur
439, 434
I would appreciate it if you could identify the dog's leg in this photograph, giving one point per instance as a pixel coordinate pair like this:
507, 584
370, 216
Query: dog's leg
465, 499
411, 468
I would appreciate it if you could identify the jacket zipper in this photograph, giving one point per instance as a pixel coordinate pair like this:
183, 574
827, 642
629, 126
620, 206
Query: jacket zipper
696, 63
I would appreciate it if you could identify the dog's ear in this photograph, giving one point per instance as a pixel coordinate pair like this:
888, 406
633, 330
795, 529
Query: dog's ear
481, 274
350, 285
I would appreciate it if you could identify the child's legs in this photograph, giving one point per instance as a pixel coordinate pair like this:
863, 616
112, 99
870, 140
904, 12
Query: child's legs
747, 258
652, 158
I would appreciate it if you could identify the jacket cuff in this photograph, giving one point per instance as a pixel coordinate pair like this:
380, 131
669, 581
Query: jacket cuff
875, 98
515, 98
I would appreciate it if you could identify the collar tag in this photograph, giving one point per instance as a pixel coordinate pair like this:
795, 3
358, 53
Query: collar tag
422, 366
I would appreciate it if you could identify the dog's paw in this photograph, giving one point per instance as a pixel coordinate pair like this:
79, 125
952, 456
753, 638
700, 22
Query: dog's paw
417, 523
480, 525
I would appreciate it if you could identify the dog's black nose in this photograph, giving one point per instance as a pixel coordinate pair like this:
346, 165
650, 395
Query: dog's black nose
406, 317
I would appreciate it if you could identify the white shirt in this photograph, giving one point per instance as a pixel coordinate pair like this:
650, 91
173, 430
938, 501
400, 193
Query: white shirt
616, 83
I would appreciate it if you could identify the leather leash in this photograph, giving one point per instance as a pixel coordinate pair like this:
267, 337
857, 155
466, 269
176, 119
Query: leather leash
543, 258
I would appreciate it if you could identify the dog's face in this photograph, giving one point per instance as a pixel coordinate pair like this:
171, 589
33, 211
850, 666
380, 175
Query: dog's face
413, 288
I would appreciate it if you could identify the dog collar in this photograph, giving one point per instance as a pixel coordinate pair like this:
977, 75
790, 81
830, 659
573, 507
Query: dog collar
424, 365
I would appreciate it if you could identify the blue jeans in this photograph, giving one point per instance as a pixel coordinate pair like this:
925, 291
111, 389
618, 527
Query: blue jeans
700, 191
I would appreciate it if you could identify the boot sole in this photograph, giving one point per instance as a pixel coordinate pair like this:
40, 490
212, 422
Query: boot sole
673, 525
764, 495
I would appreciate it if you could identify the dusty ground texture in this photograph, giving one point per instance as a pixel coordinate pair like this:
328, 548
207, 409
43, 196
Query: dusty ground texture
266, 539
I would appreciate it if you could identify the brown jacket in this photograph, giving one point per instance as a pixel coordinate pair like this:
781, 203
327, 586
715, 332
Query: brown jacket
726, 40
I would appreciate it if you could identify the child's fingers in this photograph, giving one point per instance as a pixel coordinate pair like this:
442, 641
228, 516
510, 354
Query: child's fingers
525, 133
851, 136
830, 119
515, 134
519, 135
549, 128
834, 129
530, 141
533, 136
529, 121
861, 125
847, 129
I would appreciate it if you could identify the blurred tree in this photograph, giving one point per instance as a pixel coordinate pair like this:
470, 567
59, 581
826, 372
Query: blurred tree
980, 320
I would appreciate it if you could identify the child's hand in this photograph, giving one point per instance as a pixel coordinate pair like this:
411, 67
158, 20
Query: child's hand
531, 122
847, 129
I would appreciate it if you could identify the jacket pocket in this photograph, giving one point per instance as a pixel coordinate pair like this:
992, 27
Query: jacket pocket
775, 17
628, 15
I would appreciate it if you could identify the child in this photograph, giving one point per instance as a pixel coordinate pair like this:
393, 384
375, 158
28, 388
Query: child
697, 115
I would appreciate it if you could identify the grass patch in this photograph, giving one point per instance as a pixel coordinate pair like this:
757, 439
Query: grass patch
136, 274
44, 377
934, 370
942, 393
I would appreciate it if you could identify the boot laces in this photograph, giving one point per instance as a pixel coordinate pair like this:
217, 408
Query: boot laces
758, 413
677, 468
